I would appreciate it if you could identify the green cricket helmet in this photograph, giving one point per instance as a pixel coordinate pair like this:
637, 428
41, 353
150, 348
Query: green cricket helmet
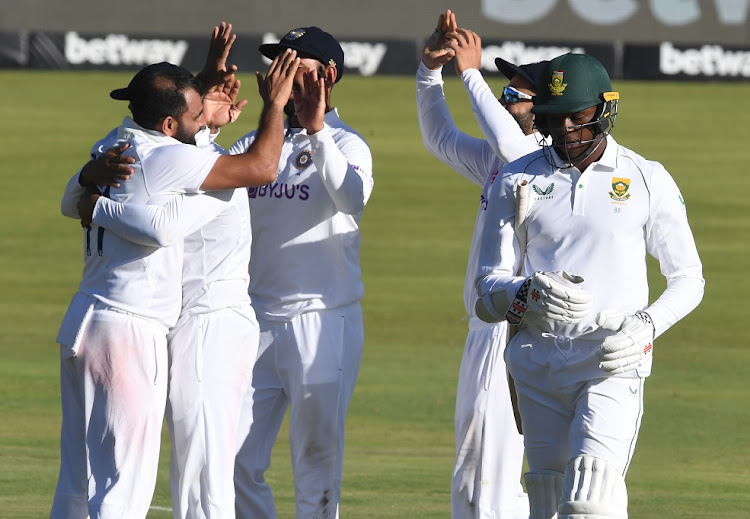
571, 83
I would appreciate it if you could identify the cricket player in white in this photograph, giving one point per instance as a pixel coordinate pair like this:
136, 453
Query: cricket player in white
489, 448
114, 336
305, 284
586, 330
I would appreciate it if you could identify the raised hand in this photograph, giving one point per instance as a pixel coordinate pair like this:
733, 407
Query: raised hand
215, 71
107, 170
276, 87
437, 51
467, 48
310, 105
220, 105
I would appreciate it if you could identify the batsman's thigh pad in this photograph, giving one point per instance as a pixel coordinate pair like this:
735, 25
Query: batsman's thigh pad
593, 490
544, 488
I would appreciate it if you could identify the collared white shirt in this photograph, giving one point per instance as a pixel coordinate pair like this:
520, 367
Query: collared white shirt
134, 277
306, 240
600, 225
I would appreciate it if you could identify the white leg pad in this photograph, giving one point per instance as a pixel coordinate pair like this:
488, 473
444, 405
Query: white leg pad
593, 490
544, 488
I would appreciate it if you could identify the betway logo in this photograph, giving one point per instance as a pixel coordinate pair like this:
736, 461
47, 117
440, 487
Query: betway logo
518, 52
709, 60
362, 56
118, 49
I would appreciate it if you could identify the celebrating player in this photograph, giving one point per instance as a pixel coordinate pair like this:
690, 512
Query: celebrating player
586, 330
489, 449
305, 284
114, 335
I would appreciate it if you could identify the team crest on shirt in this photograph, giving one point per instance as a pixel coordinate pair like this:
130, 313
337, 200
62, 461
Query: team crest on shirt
620, 187
302, 160
543, 193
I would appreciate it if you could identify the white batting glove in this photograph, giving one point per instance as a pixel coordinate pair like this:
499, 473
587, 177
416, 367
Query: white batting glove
556, 296
631, 346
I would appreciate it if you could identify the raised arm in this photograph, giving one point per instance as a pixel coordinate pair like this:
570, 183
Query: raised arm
501, 130
258, 165
344, 166
215, 70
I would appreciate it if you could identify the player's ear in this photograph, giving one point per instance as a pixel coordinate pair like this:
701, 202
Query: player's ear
169, 126
331, 74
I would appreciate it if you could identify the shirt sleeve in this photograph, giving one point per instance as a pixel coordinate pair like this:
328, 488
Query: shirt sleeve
499, 249
73, 192
471, 157
242, 144
178, 168
499, 127
345, 168
670, 240
160, 225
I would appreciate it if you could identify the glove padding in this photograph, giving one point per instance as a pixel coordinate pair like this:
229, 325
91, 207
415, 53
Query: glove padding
631, 346
555, 296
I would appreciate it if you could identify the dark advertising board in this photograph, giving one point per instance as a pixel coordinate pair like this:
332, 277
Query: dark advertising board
79, 51
686, 62
13, 49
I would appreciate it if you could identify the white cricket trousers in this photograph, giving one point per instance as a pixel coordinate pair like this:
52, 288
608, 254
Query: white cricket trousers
311, 364
211, 358
569, 407
489, 450
113, 398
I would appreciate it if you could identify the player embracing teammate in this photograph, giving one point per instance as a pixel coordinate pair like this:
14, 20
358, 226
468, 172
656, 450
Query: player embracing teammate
165, 295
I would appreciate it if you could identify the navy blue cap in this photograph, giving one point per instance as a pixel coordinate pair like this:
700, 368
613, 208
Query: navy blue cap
311, 42
141, 81
530, 71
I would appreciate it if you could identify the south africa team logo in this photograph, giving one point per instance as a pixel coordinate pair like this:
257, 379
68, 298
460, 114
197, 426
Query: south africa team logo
620, 188
303, 159
556, 86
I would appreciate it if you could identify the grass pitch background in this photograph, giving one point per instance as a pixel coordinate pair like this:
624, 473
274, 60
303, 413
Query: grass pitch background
693, 454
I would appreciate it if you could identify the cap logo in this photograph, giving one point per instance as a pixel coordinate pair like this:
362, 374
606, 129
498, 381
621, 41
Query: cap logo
294, 34
557, 87
331, 62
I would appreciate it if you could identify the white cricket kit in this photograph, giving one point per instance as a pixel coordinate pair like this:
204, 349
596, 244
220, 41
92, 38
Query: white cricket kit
214, 344
113, 339
489, 450
305, 284
600, 225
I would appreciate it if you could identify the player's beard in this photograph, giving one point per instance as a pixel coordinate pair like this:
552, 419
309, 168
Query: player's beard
525, 121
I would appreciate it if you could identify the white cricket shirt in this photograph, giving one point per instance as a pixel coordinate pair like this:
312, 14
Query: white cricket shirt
305, 225
137, 278
600, 225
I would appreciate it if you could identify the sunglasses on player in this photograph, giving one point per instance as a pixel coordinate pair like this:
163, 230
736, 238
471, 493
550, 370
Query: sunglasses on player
511, 95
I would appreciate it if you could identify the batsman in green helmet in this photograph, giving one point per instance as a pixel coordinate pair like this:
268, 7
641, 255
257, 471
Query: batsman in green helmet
576, 107
563, 259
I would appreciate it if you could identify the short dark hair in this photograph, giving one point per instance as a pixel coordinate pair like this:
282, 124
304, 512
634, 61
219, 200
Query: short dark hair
164, 97
157, 91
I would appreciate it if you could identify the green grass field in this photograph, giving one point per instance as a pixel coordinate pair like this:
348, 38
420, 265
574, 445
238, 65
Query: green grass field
693, 455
